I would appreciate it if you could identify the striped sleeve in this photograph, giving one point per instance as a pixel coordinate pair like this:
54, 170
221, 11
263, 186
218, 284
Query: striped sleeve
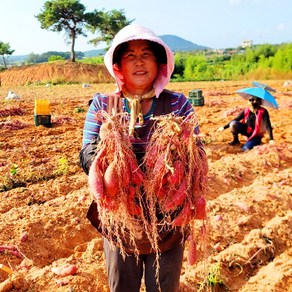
91, 125
182, 107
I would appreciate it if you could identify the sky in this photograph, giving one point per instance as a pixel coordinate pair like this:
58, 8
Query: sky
217, 24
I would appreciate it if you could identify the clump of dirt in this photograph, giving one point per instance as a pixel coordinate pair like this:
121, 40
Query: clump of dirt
55, 73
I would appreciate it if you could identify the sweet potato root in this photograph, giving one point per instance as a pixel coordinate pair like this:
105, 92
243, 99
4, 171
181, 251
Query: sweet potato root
176, 181
65, 270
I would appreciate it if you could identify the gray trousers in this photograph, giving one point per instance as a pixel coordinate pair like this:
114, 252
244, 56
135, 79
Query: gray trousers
126, 275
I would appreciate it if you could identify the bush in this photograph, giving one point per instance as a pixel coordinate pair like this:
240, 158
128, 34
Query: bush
92, 60
54, 58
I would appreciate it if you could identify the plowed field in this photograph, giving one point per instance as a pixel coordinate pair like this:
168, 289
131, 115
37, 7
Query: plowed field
44, 194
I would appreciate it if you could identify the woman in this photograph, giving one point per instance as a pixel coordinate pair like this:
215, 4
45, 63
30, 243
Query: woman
141, 64
251, 122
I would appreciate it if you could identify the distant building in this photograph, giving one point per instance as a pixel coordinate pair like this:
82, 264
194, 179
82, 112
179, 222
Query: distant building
246, 44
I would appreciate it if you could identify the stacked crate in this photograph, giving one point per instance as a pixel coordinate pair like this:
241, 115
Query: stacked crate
42, 113
196, 97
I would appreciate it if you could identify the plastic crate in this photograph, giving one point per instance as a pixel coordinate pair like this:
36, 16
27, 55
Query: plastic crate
196, 97
42, 120
196, 93
197, 101
42, 107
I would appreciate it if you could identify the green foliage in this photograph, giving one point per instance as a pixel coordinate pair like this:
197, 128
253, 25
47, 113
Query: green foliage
63, 166
5, 50
58, 15
12, 179
214, 280
214, 277
79, 109
70, 16
196, 67
14, 169
54, 58
35, 58
92, 60
67, 15
45, 57
108, 24
234, 64
282, 60
180, 63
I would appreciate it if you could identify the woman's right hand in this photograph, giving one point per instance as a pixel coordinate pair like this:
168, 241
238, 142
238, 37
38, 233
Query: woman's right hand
114, 104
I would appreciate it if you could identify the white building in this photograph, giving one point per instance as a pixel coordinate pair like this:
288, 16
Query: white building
246, 44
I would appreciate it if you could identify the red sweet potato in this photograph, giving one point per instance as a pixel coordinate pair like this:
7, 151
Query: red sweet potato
65, 270
95, 180
184, 216
111, 180
109, 204
177, 197
131, 192
192, 254
201, 209
176, 177
185, 135
99, 159
162, 192
133, 208
137, 174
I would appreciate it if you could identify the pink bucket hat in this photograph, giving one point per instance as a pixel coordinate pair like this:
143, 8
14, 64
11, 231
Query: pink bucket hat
138, 32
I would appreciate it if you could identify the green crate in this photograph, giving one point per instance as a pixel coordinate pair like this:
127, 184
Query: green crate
196, 93
44, 120
196, 97
197, 101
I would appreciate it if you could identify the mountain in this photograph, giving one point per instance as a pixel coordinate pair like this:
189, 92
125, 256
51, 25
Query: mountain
174, 42
177, 44
94, 53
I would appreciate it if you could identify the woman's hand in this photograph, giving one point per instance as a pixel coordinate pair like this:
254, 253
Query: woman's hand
105, 130
114, 104
221, 129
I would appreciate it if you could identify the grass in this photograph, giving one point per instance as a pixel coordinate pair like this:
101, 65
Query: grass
21, 176
214, 280
63, 166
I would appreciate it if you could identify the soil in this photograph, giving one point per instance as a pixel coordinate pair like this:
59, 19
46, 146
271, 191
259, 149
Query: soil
44, 193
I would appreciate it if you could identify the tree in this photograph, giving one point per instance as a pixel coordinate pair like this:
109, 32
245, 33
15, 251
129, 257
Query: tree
179, 61
5, 50
70, 16
283, 58
54, 58
106, 24
45, 57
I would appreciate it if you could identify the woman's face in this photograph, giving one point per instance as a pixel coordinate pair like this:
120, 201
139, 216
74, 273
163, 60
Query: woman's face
255, 102
139, 67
